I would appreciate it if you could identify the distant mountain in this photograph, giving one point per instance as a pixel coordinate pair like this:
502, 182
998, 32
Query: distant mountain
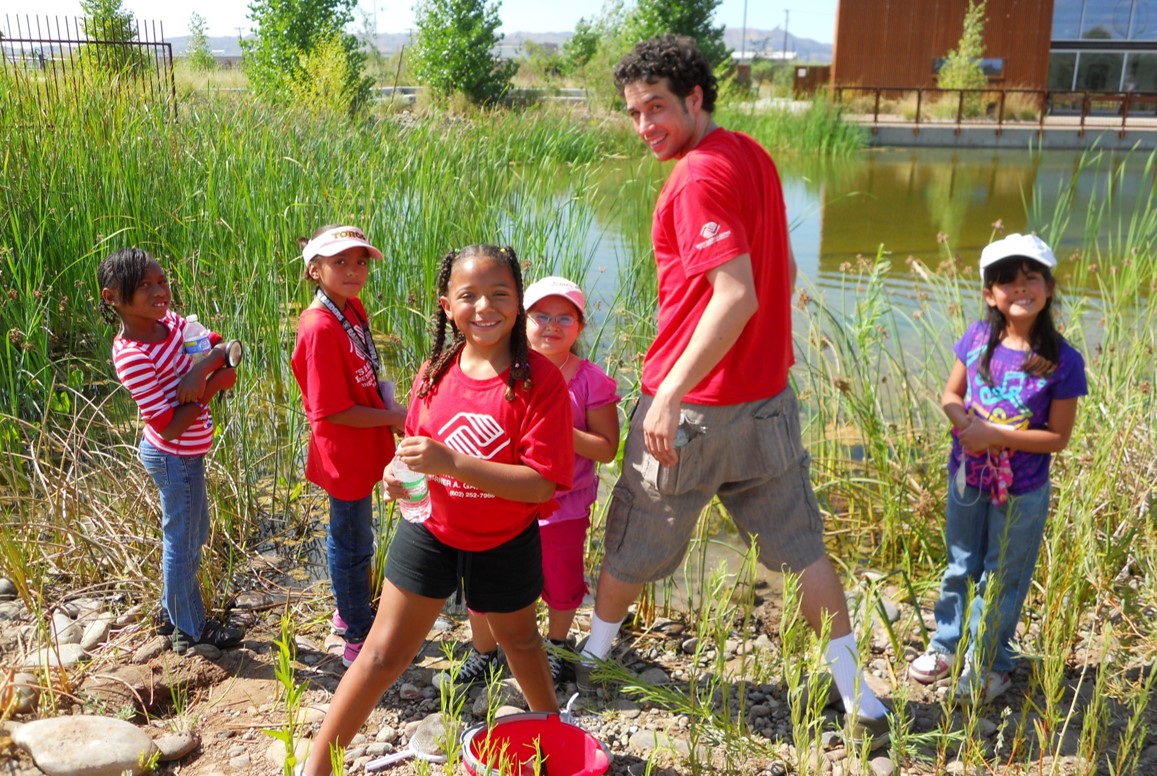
766, 41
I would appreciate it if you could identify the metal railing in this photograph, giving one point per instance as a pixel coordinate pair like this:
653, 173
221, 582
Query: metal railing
55, 56
959, 108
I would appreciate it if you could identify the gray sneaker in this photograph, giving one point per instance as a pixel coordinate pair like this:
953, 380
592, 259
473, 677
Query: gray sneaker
875, 731
584, 668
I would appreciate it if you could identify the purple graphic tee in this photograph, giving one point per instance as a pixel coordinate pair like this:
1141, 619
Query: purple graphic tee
1014, 398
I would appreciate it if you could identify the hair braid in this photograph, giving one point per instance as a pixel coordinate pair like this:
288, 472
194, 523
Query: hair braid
519, 346
441, 355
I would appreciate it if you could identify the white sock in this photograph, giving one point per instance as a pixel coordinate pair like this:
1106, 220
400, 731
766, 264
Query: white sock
843, 661
602, 637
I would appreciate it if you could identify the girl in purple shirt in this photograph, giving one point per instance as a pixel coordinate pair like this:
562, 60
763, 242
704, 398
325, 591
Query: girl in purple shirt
1012, 399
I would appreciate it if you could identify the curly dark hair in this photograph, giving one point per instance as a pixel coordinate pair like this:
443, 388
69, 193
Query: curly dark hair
674, 57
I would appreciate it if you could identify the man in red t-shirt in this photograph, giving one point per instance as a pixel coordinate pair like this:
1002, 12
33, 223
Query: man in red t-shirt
717, 416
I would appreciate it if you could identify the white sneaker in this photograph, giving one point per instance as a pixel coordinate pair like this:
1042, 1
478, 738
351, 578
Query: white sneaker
932, 666
971, 691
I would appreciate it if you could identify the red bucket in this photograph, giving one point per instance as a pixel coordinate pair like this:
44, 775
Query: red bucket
515, 743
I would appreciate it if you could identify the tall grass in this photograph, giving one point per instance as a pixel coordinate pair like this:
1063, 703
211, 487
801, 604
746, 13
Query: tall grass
219, 196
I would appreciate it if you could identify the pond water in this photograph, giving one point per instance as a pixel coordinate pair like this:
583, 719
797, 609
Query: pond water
905, 201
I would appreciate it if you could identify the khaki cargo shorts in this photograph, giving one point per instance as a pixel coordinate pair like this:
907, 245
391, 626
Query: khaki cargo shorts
750, 455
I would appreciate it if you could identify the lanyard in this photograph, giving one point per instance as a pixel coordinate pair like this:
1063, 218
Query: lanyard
363, 345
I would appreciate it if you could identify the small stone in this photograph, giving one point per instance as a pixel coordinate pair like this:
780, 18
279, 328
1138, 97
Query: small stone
689, 645
655, 675
25, 689
7, 589
95, 634
150, 649
986, 727
65, 630
174, 746
387, 734
308, 715
64, 656
207, 651
410, 692
881, 766
254, 600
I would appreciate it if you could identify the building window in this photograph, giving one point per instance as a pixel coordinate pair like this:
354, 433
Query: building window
993, 67
1106, 21
1141, 69
1062, 70
1067, 19
1100, 71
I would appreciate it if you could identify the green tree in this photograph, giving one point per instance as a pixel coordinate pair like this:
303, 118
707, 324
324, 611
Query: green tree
287, 34
455, 50
581, 47
680, 17
197, 49
107, 21
961, 68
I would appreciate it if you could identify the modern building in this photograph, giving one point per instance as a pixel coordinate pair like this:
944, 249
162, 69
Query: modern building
1100, 45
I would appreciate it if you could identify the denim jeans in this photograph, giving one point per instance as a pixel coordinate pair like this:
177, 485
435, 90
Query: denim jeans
350, 551
184, 530
996, 548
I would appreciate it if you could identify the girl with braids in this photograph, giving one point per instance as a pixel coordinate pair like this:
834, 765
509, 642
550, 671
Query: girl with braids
490, 424
556, 314
1012, 399
173, 395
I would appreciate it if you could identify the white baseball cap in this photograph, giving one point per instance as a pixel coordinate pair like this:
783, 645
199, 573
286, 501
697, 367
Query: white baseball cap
554, 286
1027, 246
333, 241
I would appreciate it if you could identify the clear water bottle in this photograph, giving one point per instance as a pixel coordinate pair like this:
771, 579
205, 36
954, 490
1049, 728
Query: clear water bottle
416, 506
197, 344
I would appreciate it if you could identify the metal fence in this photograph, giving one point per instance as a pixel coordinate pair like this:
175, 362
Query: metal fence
959, 108
56, 57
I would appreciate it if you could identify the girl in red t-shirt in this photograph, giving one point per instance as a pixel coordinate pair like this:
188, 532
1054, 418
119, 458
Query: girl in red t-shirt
490, 425
336, 365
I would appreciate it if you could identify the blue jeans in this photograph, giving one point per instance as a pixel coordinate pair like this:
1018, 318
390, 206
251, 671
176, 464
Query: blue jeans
184, 530
350, 551
996, 548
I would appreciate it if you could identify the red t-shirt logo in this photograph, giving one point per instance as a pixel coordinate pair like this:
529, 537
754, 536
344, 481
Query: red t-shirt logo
709, 229
474, 434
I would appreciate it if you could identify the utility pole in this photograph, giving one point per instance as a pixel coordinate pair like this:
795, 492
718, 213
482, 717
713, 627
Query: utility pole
785, 14
743, 40
240, 41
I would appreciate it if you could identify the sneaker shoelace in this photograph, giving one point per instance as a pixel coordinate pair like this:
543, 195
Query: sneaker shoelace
556, 665
475, 666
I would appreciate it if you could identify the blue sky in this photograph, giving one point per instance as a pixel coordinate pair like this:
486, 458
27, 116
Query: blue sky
815, 19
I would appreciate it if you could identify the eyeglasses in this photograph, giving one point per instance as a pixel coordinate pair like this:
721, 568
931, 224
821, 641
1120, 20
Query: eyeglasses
544, 320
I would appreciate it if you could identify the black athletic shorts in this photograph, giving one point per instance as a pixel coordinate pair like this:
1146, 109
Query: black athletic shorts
503, 579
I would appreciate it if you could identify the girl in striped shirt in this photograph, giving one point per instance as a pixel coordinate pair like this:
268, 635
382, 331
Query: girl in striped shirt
173, 395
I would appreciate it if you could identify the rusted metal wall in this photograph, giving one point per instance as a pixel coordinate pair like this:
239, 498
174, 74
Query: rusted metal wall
894, 42
809, 78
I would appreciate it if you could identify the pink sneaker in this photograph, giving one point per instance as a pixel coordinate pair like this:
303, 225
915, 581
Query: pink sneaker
337, 624
351, 652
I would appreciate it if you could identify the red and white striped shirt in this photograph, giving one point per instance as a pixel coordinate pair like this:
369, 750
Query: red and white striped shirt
151, 371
